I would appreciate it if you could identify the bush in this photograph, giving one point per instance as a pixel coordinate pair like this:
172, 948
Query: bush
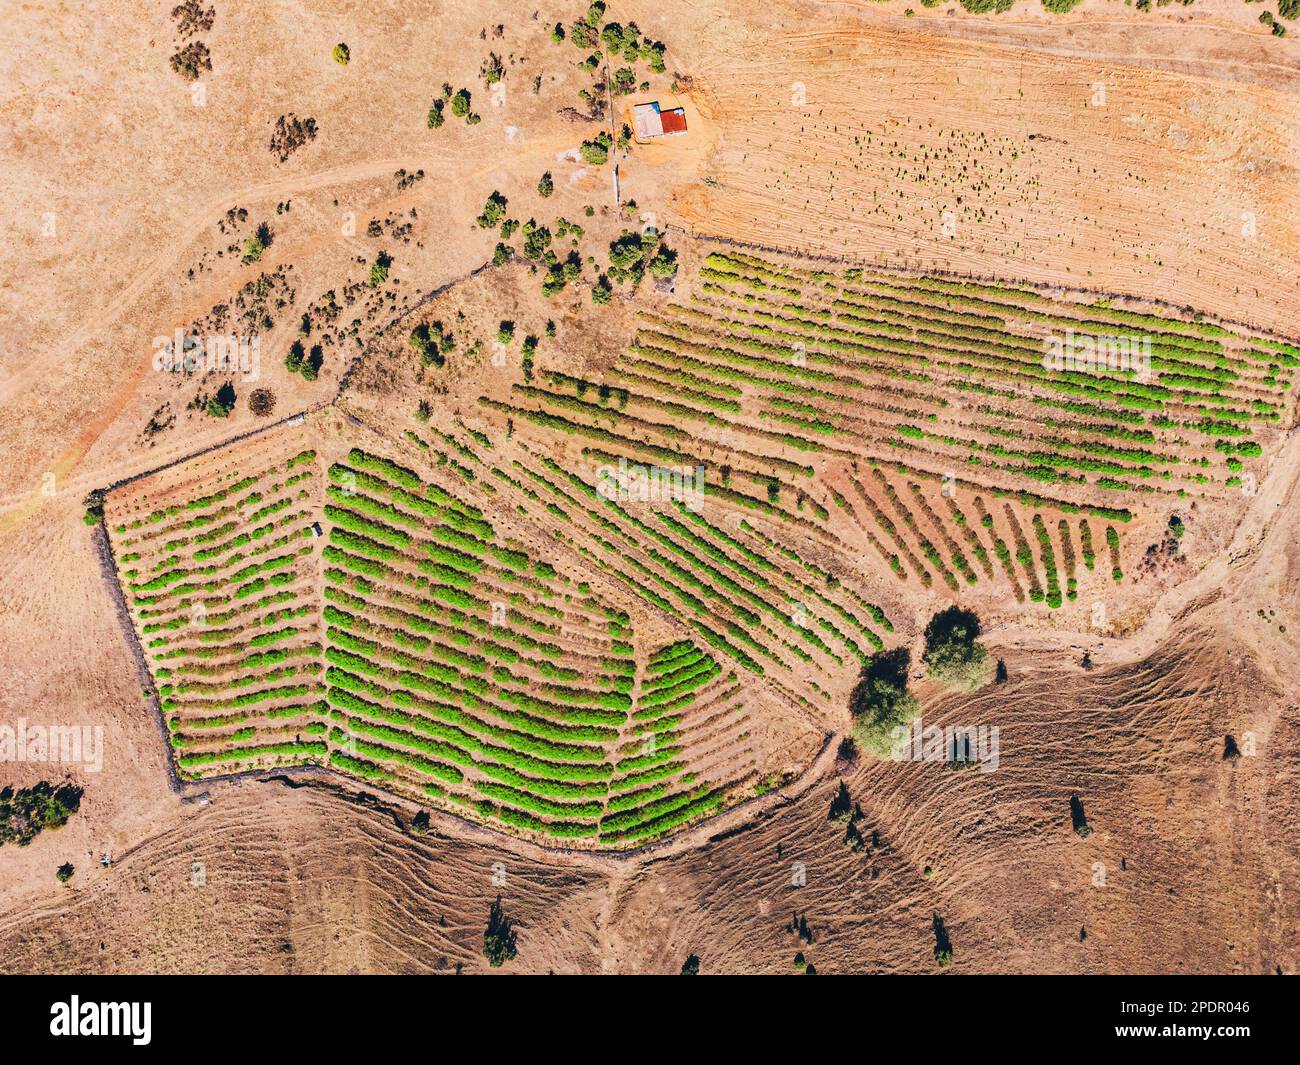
460, 104
28, 811
261, 402
64, 872
342, 54
881, 703
546, 185
94, 504
691, 966
596, 151
499, 938
492, 69
220, 405
290, 134
951, 652
494, 209
664, 263
192, 60
842, 805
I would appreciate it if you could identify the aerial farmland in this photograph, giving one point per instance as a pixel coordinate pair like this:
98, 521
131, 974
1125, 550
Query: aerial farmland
629, 488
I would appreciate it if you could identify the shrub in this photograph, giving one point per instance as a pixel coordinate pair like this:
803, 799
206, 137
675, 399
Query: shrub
342, 54
26, 812
546, 185
596, 151
460, 104
492, 69
664, 263
290, 134
536, 239
261, 402
94, 504
192, 60
220, 405
499, 938
842, 805
691, 966
64, 872
494, 209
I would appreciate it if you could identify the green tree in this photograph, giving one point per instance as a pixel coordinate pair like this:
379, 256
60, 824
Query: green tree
881, 703
952, 655
26, 812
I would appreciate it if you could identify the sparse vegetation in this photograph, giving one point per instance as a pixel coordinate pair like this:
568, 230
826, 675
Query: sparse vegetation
26, 812
290, 134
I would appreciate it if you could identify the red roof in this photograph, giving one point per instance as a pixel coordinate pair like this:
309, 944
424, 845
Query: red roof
674, 121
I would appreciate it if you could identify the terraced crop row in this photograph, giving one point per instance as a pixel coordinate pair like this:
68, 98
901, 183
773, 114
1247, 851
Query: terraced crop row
813, 384
363, 617
223, 590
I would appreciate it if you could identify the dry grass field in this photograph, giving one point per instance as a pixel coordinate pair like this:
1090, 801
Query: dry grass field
370, 626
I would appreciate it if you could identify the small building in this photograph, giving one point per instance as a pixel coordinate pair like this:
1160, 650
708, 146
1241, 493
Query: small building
650, 121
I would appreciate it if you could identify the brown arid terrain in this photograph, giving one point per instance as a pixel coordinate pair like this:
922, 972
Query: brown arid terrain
850, 263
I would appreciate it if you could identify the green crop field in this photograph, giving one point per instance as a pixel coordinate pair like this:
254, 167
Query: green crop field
465, 614
401, 641
919, 415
